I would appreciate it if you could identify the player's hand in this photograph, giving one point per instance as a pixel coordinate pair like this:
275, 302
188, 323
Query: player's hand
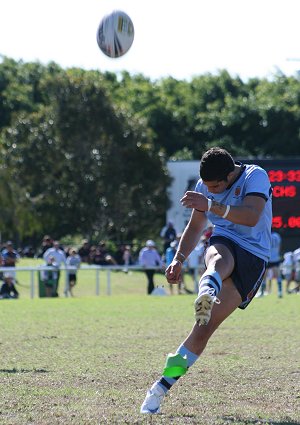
173, 272
195, 200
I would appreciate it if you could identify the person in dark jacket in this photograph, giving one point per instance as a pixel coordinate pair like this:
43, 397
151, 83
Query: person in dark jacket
8, 289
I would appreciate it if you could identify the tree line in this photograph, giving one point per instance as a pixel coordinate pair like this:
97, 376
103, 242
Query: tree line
85, 152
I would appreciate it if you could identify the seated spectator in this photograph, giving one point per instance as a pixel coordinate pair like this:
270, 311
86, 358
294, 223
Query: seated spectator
8, 289
97, 257
92, 253
84, 251
108, 258
28, 252
101, 256
124, 256
119, 255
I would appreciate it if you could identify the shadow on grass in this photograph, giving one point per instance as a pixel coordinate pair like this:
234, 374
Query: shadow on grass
14, 370
257, 421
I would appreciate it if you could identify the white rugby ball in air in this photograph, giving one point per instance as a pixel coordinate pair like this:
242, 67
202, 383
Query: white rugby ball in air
115, 34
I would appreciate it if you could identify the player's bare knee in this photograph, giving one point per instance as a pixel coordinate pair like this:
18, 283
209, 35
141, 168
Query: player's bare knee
213, 258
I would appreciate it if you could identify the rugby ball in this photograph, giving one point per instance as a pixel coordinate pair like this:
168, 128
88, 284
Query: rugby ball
115, 34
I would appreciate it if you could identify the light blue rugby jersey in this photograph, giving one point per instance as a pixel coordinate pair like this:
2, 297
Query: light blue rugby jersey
253, 180
275, 247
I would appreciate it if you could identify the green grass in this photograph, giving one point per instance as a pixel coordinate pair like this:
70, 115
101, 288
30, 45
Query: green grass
89, 360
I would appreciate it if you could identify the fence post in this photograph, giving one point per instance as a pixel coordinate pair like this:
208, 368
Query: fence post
97, 282
67, 284
108, 288
32, 284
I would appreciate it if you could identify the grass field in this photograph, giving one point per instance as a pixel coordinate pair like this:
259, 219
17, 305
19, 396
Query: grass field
89, 360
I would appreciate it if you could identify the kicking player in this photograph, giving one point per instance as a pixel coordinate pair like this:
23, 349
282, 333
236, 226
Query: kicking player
236, 198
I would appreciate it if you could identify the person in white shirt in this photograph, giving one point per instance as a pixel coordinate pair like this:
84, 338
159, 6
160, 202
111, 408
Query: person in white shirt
296, 258
59, 257
149, 257
287, 269
273, 266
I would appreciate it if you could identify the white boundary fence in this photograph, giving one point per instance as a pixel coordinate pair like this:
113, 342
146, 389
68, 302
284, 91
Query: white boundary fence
33, 272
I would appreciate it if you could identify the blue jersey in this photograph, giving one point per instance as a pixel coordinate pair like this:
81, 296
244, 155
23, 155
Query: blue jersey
252, 180
170, 254
275, 248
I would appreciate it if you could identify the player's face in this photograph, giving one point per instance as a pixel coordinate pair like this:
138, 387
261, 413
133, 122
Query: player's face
216, 186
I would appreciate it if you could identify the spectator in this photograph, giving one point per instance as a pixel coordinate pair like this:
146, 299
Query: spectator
74, 261
273, 269
207, 233
28, 252
168, 233
101, 256
109, 259
92, 254
287, 269
149, 257
47, 243
196, 263
127, 256
296, 257
10, 257
59, 257
50, 277
124, 257
97, 257
84, 251
8, 289
169, 255
119, 255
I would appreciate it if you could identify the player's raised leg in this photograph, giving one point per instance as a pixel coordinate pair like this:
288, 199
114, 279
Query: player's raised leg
220, 263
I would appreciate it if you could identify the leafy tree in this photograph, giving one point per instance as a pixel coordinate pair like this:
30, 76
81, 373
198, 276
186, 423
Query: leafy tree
84, 152
77, 158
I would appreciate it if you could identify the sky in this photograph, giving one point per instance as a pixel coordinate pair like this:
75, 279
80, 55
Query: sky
177, 38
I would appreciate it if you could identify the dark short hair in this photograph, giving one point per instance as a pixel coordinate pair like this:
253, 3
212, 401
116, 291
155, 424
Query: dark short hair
216, 164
